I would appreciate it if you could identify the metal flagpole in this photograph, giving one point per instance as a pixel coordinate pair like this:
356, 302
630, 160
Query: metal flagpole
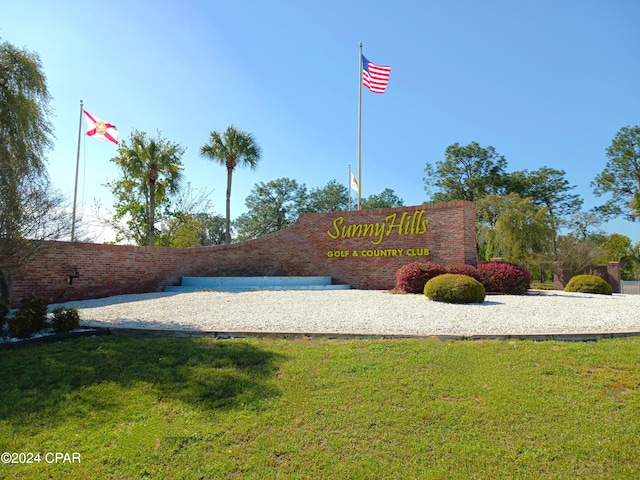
359, 129
75, 190
349, 186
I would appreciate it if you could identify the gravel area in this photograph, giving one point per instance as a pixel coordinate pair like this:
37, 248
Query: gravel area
369, 312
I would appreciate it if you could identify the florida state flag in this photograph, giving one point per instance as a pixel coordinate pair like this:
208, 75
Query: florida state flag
99, 129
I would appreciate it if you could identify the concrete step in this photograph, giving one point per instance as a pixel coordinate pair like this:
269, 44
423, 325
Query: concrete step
179, 288
217, 282
247, 284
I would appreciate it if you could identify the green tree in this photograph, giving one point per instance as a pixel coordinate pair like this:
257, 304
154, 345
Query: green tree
213, 229
271, 207
549, 188
232, 148
630, 263
614, 248
621, 176
333, 197
576, 254
30, 211
619, 248
583, 225
467, 173
185, 219
151, 172
584, 245
385, 199
513, 228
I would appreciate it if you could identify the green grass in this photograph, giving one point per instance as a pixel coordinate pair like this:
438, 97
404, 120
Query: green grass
155, 407
543, 286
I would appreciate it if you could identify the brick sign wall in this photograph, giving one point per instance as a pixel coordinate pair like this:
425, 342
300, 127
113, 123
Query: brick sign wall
361, 248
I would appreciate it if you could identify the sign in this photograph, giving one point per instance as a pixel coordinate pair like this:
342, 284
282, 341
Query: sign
386, 230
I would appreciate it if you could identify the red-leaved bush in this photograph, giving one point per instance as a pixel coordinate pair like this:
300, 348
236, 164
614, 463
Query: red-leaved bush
504, 277
411, 278
464, 269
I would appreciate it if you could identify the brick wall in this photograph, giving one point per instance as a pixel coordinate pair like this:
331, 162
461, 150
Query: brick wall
362, 248
610, 272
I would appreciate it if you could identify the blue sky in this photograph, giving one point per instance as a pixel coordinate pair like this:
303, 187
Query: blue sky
546, 83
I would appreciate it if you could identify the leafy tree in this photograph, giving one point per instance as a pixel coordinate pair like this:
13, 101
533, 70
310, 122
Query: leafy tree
630, 263
618, 248
333, 197
130, 221
185, 219
583, 225
24, 97
587, 244
614, 248
513, 228
576, 254
30, 211
621, 176
385, 199
232, 148
151, 172
181, 230
271, 207
467, 173
213, 229
549, 188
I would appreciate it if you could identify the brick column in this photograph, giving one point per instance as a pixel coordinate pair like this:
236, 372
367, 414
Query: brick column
613, 272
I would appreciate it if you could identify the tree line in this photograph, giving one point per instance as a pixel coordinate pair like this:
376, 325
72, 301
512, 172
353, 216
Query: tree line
533, 218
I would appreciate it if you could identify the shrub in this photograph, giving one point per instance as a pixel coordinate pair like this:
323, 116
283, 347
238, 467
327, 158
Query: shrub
30, 318
412, 277
588, 284
504, 277
464, 269
65, 319
454, 288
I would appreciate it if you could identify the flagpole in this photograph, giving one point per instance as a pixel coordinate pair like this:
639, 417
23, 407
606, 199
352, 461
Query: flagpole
359, 130
349, 187
75, 190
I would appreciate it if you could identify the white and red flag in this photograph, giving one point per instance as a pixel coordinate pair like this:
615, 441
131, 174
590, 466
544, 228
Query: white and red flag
100, 130
354, 183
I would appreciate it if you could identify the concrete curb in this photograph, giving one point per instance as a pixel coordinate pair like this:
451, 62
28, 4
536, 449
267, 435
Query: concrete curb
565, 337
99, 331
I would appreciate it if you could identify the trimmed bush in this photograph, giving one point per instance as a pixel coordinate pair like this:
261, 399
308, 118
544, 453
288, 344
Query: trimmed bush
411, 278
30, 318
464, 269
588, 284
454, 288
65, 319
504, 277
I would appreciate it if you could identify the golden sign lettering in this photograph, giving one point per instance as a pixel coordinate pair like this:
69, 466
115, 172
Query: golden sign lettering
408, 224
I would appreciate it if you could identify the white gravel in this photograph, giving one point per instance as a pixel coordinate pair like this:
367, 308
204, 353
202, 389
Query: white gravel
369, 312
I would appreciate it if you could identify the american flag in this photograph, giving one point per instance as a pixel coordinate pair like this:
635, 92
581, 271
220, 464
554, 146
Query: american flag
375, 77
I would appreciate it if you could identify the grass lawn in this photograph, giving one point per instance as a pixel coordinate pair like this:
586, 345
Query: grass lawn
162, 407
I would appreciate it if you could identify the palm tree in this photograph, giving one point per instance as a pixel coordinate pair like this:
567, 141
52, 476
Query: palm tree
232, 148
156, 164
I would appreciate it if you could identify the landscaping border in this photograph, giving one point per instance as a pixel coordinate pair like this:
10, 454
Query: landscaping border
566, 337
